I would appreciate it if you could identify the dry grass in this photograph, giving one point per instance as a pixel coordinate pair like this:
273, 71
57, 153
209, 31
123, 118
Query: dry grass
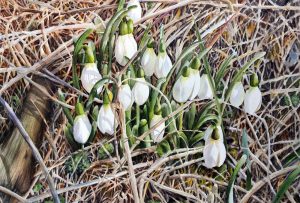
36, 37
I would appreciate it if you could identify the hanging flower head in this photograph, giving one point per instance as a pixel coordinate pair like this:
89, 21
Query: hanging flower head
158, 133
183, 87
149, 59
237, 95
195, 76
135, 13
214, 151
126, 45
163, 62
82, 127
253, 96
125, 96
140, 90
90, 73
206, 91
106, 121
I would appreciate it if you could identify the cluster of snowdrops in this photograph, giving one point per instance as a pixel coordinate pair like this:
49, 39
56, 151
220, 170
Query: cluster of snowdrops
148, 88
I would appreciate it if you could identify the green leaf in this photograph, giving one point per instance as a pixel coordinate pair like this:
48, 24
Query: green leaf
286, 184
106, 150
37, 187
222, 70
68, 131
196, 139
229, 191
77, 48
189, 117
163, 148
66, 111
153, 97
93, 132
94, 93
294, 155
121, 5
247, 153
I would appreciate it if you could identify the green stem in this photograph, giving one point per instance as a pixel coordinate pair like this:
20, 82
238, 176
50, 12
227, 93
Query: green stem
181, 120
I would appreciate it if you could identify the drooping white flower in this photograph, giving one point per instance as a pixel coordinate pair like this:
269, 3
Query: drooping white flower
140, 91
163, 65
205, 91
196, 87
106, 121
136, 13
126, 47
253, 100
90, 76
237, 95
82, 127
125, 96
158, 133
183, 87
148, 61
214, 151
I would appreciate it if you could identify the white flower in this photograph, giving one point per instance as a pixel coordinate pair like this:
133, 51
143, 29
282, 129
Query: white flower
214, 151
196, 87
82, 129
90, 76
148, 61
136, 13
126, 47
253, 99
205, 91
158, 133
106, 121
125, 96
163, 65
237, 94
140, 91
183, 88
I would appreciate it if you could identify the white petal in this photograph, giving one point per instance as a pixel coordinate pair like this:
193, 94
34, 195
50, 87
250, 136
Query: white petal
163, 65
205, 91
106, 120
210, 153
120, 50
207, 133
253, 99
158, 133
89, 76
148, 61
222, 153
182, 89
237, 94
130, 46
136, 13
196, 88
140, 91
125, 96
82, 129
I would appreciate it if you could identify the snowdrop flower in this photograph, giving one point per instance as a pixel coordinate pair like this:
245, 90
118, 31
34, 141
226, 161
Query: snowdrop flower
106, 120
90, 76
125, 96
135, 13
253, 96
237, 95
90, 73
205, 91
163, 62
195, 74
82, 127
148, 61
158, 133
126, 45
183, 87
214, 151
140, 90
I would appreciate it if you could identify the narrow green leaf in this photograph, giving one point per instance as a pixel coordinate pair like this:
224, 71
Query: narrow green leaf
121, 5
293, 156
286, 184
222, 70
66, 111
94, 93
246, 152
153, 97
229, 191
